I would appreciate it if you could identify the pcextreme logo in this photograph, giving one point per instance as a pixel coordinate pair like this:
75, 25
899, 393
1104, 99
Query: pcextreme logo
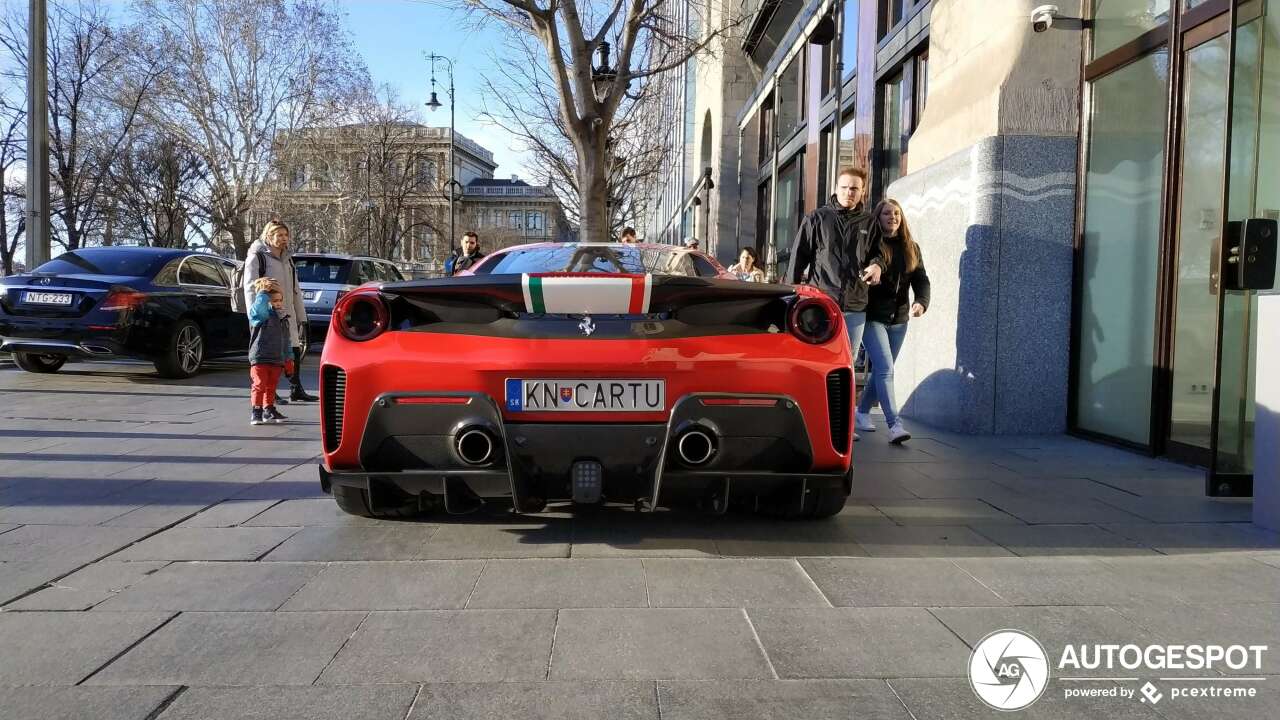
1009, 670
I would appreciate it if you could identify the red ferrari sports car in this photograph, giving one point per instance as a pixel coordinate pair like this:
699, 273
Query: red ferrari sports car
589, 372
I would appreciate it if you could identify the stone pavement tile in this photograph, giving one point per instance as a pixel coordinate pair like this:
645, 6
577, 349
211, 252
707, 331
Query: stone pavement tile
1048, 540
925, 541
962, 470
1061, 487
954, 699
349, 702
730, 583
20, 577
896, 582
309, 512
236, 543
239, 648
943, 512
6, 527
446, 646
194, 469
614, 532
405, 585
399, 541
228, 513
1172, 539
60, 468
1222, 578
1215, 624
27, 444
561, 583
1271, 558
80, 703
755, 536
779, 700
279, 489
303, 472
80, 545
657, 644
105, 446
928, 488
859, 643
1040, 510
85, 588
36, 489
219, 586
874, 447
35, 511
537, 701
1052, 580
879, 480
1184, 509
57, 648
1055, 627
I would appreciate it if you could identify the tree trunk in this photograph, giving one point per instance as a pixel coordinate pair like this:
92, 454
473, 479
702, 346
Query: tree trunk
238, 239
593, 187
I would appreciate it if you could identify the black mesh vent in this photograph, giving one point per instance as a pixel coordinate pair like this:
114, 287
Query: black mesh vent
838, 409
335, 398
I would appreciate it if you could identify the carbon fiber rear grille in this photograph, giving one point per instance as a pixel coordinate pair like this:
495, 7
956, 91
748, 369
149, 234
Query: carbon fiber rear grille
838, 397
335, 398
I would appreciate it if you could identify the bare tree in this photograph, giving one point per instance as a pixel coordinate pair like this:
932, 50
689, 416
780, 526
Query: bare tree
525, 103
93, 104
239, 75
652, 37
155, 186
13, 118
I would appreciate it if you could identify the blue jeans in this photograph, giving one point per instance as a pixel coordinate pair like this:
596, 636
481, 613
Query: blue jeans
855, 322
883, 343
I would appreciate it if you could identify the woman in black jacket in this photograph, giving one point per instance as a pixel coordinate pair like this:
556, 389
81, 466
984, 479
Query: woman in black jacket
888, 309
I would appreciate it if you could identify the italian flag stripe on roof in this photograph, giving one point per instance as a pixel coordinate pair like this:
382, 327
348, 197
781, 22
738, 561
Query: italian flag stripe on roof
586, 293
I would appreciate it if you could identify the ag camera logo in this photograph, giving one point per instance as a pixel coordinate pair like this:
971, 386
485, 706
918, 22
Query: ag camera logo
1008, 670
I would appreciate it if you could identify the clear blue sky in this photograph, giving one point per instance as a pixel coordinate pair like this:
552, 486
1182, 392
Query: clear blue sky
394, 36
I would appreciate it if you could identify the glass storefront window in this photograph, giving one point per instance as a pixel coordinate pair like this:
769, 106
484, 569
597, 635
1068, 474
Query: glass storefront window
892, 129
786, 218
847, 154
789, 99
1119, 257
1116, 22
849, 41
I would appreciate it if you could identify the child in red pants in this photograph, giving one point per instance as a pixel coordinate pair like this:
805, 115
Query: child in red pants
268, 343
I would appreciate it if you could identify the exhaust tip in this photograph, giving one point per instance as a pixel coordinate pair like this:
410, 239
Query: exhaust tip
695, 447
474, 446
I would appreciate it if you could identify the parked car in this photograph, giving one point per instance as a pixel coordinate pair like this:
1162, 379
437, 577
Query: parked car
639, 373
170, 307
326, 277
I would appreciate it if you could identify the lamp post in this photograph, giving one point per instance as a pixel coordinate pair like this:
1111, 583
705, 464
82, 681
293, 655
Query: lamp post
435, 104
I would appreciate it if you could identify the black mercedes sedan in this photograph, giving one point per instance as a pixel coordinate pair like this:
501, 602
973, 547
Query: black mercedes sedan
170, 307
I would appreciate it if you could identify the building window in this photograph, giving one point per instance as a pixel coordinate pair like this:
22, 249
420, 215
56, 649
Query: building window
298, 177
891, 14
515, 219
428, 172
786, 220
892, 132
849, 41
1120, 250
1116, 22
847, 156
922, 84
766, 130
790, 95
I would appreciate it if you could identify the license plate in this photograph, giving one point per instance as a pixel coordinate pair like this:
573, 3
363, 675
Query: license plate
309, 295
46, 298
580, 395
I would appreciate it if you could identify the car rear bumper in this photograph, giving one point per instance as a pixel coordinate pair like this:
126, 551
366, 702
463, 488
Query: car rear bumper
412, 441
93, 347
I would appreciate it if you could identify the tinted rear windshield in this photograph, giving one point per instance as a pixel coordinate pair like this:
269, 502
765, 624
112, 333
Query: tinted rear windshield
322, 270
103, 261
600, 259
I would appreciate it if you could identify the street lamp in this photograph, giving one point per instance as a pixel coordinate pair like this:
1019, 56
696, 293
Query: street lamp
435, 104
602, 76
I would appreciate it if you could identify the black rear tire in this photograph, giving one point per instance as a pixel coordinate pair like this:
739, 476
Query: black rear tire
38, 362
355, 501
824, 503
184, 352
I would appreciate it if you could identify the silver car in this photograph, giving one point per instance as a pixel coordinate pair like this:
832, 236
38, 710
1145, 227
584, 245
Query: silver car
326, 277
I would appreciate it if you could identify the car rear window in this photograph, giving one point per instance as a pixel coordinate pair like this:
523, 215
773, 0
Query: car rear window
599, 259
103, 261
322, 270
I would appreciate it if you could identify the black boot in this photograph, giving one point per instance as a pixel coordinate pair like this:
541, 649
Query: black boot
296, 393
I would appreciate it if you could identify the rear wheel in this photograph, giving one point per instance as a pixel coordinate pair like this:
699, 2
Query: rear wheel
356, 501
184, 353
823, 503
39, 362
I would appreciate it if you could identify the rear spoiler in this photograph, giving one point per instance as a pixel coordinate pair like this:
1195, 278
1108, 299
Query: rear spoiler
603, 293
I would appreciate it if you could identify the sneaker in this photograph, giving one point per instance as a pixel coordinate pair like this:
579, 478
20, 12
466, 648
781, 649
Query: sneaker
898, 434
255, 416
856, 438
280, 400
300, 395
863, 422
271, 414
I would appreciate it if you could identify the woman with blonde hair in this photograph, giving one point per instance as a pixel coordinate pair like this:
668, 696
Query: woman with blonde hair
889, 307
268, 257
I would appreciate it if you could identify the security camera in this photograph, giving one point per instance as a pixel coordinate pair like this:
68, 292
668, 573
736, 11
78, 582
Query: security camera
1042, 17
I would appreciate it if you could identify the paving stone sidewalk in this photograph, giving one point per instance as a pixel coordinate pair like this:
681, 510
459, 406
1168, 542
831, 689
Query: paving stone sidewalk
160, 558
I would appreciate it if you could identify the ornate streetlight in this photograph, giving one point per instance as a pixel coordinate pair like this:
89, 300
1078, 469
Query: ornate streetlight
435, 104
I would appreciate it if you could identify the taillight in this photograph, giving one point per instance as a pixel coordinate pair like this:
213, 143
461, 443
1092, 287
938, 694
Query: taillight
361, 315
123, 298
814, 320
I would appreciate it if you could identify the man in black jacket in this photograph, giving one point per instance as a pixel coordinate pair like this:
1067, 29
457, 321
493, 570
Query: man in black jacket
833, 250
469, 253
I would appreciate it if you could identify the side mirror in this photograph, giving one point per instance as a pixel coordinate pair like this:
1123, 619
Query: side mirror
1249, 257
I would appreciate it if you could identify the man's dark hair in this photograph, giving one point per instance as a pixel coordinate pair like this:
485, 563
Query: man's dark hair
471, 234
854, 171
628, 231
